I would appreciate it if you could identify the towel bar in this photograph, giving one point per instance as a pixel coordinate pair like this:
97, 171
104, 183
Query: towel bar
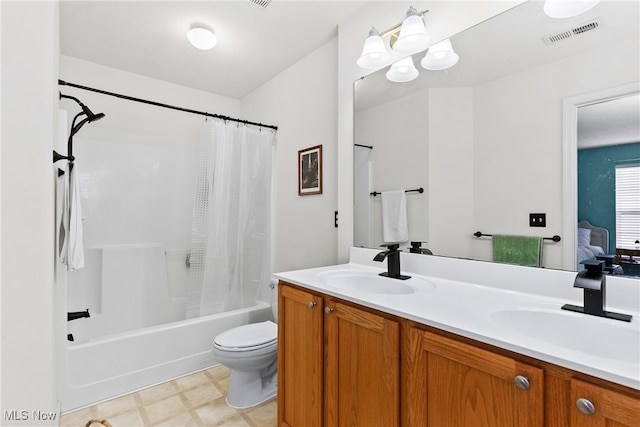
418, 190
555, 238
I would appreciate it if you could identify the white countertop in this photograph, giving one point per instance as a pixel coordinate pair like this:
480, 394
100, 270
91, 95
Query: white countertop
515, 308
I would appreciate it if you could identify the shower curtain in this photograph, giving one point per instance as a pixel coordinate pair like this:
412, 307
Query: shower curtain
230, 239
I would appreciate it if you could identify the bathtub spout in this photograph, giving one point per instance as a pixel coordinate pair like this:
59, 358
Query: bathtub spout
73, 315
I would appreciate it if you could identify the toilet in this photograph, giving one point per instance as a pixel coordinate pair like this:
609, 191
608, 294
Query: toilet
249, 351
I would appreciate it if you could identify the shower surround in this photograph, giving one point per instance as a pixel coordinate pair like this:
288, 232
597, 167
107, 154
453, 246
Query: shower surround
137, 202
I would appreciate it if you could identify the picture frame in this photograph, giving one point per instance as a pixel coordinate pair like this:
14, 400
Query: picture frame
310, 171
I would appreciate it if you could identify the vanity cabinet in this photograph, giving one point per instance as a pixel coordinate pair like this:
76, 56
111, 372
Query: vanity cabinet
457, 384
300, 358
338, 363
341, 364
596, 406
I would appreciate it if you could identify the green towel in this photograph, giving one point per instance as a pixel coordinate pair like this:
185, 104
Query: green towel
520, 250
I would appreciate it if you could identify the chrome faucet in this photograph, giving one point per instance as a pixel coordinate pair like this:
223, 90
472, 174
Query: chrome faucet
392, 254
593, 281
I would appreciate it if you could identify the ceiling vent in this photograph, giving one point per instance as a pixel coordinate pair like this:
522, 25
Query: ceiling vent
576, 31
261, 3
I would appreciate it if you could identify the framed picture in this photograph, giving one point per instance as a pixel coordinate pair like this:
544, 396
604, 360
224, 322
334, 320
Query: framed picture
310, 171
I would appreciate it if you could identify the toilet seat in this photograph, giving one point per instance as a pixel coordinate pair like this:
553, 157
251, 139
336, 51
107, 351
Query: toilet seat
253, 336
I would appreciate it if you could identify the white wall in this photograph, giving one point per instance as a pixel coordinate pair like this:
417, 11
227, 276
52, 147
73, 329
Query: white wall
451, 184
524, 140
426, 140
29, 35
133, 122
399, 159
301, 102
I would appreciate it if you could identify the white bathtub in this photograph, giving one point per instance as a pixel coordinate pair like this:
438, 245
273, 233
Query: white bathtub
136, 336
111, 366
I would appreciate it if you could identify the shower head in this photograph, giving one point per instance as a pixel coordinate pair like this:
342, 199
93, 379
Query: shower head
95, 117
91, 117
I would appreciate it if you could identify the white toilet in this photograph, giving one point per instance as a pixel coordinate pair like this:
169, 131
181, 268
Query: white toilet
249, 351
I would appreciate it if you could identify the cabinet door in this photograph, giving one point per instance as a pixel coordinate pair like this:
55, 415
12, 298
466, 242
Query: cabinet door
462, 385
596, 406
300, 357
361, 368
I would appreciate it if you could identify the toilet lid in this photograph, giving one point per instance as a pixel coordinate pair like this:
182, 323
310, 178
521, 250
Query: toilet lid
246, 336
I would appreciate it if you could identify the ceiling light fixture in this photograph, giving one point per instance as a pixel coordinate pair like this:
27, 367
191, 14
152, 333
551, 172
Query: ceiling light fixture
202, 38
567, 8
440, 56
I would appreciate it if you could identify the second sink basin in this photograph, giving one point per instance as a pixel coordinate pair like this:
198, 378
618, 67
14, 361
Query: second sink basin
371, 282
616, 340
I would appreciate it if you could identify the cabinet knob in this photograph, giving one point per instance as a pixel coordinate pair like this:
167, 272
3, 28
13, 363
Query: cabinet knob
328, 310
522, 382
312, 304
585, 406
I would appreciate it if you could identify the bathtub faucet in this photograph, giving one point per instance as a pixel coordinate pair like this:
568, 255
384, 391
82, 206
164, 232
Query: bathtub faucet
73, 315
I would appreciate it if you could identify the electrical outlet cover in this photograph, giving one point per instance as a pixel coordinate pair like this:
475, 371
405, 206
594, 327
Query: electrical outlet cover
537, 220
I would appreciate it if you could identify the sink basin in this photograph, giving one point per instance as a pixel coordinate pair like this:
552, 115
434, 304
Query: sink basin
605, 338
371, 282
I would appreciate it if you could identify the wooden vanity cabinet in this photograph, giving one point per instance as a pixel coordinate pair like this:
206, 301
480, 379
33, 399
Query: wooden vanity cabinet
596, 406
338, 363
300, 358
341, 364
457, 384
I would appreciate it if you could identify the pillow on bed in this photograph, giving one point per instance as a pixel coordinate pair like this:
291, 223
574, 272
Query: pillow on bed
584, 236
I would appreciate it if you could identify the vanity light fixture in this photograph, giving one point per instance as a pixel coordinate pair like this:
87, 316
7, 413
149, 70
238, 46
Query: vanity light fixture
413, 35
201, 38
374, 53
567, 8
402, 71
408, 36
440, 56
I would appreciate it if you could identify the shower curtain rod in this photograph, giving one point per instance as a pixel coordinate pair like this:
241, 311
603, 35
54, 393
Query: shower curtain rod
158, 104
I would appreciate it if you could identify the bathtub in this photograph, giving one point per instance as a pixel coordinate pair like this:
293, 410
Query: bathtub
119, 364
107, 359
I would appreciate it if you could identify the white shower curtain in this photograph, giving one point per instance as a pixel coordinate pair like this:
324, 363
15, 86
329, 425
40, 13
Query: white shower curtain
230, 239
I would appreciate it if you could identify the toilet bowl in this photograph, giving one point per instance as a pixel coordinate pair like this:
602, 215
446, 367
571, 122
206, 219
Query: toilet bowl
249, 351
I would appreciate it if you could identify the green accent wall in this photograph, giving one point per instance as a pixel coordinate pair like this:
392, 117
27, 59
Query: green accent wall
596, 185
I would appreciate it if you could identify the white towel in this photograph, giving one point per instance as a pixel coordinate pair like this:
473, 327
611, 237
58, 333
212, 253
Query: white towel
394, 217
70, 229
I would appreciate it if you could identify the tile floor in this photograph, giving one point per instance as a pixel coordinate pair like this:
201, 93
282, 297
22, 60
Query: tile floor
195, 400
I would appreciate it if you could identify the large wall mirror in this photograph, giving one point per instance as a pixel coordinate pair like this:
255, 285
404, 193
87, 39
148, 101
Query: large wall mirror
485, 138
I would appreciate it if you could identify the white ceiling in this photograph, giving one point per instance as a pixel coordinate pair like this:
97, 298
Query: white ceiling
149, 38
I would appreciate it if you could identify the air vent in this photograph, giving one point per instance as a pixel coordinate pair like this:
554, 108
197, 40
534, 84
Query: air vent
261, 3
576, 31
